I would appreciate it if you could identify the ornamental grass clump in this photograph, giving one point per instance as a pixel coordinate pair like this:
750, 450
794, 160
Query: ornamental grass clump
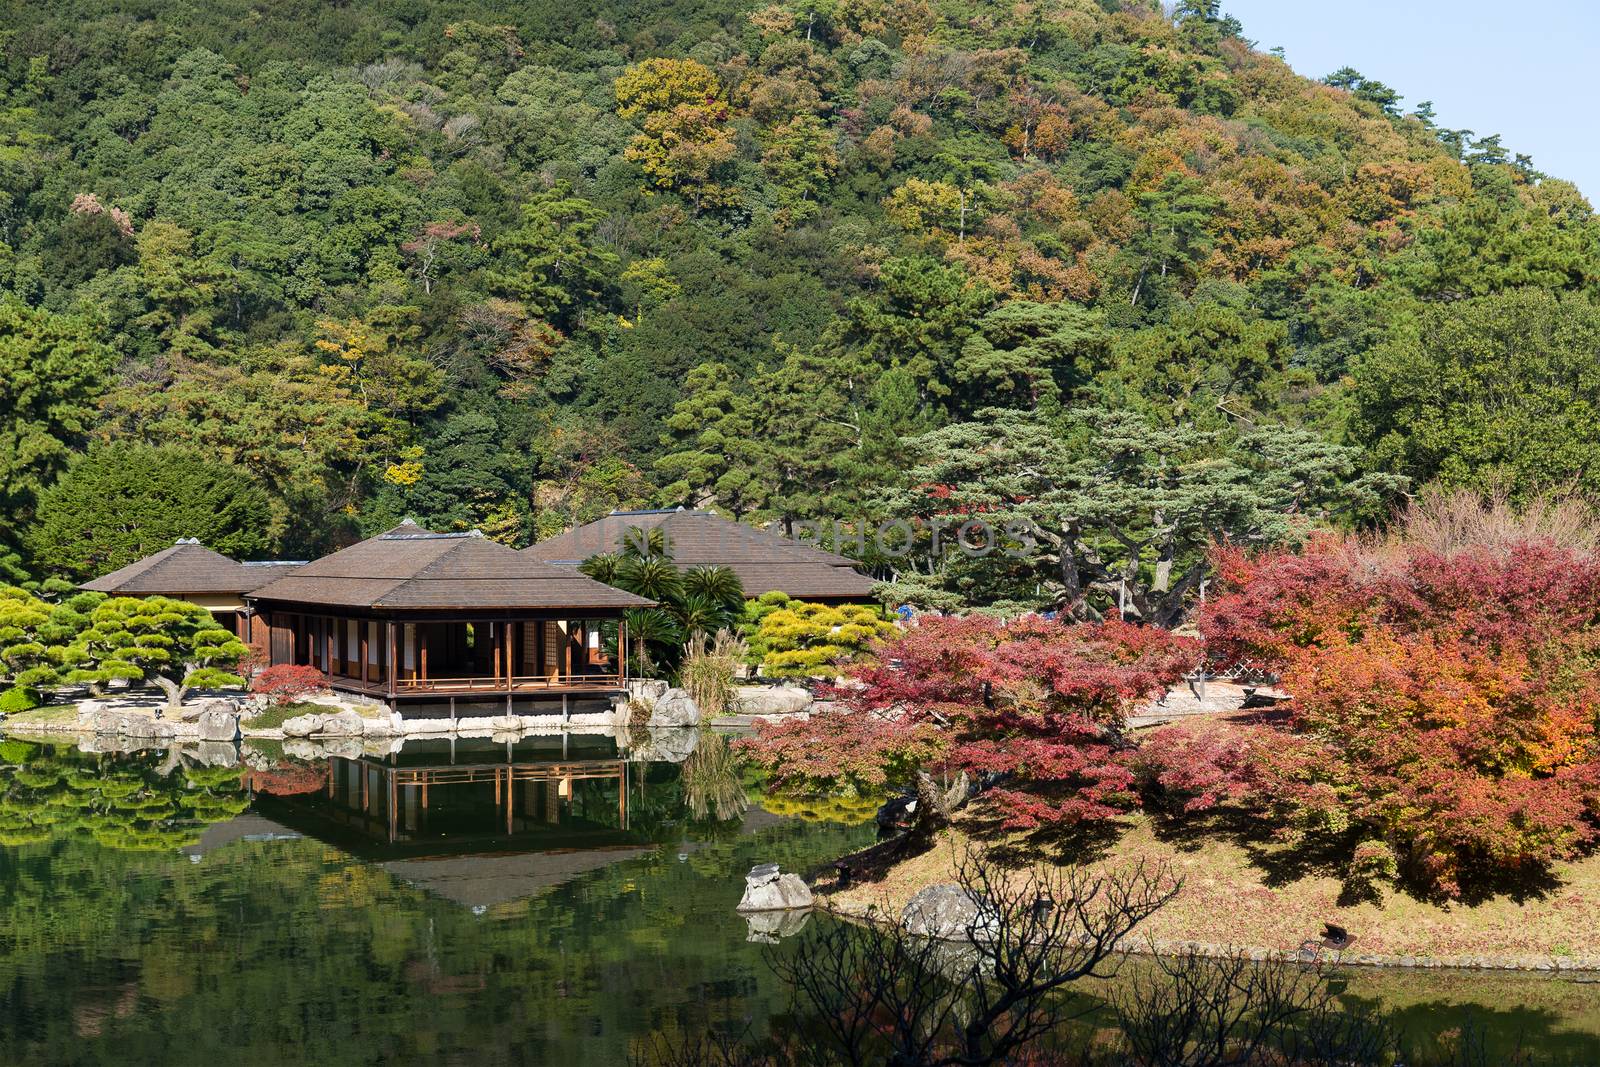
710, 671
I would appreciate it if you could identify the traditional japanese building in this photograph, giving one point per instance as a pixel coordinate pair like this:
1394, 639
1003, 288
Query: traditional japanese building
764, 561
190, 571
416, 617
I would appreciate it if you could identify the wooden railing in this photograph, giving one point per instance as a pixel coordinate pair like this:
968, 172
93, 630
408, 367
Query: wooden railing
528, 684
521, 772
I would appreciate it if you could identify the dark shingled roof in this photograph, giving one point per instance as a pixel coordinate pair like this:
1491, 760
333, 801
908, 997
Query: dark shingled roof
409, 568
188, 568
763, 560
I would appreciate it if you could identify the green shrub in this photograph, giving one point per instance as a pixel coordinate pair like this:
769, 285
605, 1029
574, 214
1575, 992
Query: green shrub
798, 639
18, 699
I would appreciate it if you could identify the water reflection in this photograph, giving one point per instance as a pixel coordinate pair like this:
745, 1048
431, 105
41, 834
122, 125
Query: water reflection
157, 908
512, 900
155, 800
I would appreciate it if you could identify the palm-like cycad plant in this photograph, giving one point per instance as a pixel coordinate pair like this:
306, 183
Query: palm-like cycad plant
651, 628
652, 576
701, 600
717, 584
602, 567
697, 614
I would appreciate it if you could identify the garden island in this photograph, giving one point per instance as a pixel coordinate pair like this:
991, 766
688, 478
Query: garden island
815, 532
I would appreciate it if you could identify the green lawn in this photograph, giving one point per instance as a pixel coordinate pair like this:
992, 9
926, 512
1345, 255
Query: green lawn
51, 714
274, 716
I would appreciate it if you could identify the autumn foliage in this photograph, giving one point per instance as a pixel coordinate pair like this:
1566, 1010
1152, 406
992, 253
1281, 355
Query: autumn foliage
1445, 694
285, 683
1035, 707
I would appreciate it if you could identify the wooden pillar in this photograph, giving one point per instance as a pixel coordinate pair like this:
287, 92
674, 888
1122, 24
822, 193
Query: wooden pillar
511, 793
511, 653
394, 807
422, 651
394, 659
499, 632
361, 650
622, 651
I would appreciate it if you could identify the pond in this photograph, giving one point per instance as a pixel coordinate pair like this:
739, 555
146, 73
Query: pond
557, 900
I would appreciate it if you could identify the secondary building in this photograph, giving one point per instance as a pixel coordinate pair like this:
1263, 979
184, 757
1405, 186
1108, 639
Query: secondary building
413, 616
764, 561
190, 571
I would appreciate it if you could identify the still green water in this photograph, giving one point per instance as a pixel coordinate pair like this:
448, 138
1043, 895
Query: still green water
182, 908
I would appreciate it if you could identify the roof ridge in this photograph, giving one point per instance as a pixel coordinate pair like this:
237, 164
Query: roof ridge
174, 550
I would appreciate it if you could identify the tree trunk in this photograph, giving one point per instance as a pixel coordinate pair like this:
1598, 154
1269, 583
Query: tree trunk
174, 691
935, 805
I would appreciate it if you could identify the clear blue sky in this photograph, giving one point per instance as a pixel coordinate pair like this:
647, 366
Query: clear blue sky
1527, 70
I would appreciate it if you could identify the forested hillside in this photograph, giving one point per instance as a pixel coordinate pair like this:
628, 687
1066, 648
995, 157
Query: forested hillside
309, 268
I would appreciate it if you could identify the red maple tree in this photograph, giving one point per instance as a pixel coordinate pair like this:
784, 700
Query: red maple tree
1444, 702
1036, 708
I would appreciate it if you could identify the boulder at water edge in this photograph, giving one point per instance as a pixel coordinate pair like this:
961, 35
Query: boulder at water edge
675, 708
218, 725
300, 726
344, 724
768, 889
946, 912
771, 700
213, 705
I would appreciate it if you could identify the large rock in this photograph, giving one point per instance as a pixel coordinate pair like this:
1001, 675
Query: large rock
675, 708
103, 721
214, 725
506, 724
946, 912
766, 888
344, 724
384, 726
301, 725
209, 706
143, 728
646, 689
771, 700
128, 724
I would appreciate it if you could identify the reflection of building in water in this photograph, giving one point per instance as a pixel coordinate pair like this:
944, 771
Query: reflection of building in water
475, 822
434, 794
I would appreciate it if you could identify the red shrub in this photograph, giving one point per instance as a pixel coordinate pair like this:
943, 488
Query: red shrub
285, 684
1039, 704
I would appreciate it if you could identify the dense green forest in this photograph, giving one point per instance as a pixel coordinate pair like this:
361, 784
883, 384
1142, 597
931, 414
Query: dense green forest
310, 268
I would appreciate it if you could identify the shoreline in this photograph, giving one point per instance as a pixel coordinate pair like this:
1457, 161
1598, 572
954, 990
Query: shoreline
1233, 899
464, 727
1584, 969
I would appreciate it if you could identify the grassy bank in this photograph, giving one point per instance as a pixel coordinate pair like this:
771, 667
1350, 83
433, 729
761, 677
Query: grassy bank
1238, 893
